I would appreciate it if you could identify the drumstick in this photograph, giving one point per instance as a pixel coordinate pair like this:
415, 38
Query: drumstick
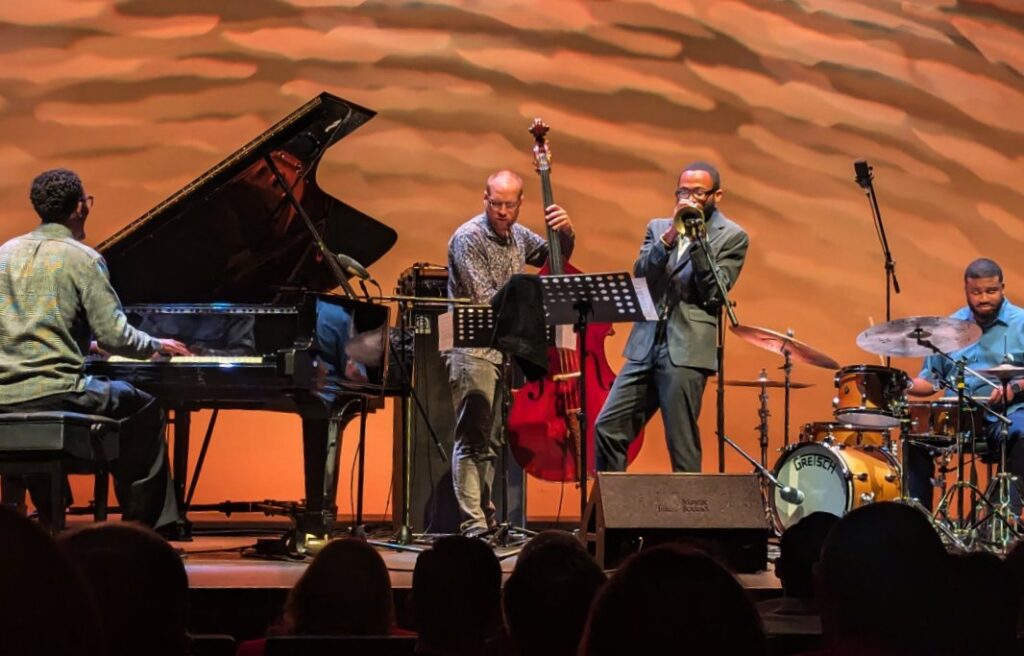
871, 323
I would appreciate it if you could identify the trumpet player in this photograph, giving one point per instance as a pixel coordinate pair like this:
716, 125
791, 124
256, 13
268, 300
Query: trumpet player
668, 361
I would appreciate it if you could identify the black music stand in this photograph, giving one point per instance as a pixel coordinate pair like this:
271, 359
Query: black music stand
578, 299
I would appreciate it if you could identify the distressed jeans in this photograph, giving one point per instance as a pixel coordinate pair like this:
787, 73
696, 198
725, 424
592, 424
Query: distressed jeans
474, 385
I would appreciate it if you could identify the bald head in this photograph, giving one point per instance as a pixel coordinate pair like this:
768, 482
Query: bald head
504, 180
502, 198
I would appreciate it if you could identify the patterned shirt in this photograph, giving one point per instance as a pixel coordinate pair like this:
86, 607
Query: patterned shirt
480, 262
55, 294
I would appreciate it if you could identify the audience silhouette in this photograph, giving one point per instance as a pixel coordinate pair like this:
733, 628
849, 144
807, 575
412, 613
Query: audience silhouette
456, 589
672, 599
548, 596
47, 609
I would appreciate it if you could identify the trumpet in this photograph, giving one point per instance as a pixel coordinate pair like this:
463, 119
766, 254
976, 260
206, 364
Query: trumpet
689, 221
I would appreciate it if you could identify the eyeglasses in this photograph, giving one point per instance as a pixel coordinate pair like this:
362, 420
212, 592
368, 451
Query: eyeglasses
509, 204
87, 201
696, 194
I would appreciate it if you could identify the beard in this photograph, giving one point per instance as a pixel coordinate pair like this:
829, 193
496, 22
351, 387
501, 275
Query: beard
986, 315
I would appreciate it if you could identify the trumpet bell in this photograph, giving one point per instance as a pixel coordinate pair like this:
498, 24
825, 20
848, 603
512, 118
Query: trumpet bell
687, 214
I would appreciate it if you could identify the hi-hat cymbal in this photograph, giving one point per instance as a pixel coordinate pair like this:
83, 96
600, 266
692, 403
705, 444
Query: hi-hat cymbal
1003, 372
767, 383
899, 337
780, 343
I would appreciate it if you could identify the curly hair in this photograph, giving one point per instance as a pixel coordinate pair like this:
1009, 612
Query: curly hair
55, 194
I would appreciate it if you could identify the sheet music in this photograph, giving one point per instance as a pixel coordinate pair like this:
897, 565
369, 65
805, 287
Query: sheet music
445, 331
643, 294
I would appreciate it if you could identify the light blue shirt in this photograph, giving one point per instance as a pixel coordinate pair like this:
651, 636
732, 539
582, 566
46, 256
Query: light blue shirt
1002, 336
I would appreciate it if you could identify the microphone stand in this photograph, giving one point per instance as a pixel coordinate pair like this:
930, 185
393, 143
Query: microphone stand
725, 302
795, 495
864, 179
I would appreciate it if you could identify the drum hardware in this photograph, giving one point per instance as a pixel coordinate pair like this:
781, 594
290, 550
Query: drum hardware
790, 348
1003, 532
762, 381
1002, 528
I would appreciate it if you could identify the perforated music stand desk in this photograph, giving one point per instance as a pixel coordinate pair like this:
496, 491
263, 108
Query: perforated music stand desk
466, 326
578, 299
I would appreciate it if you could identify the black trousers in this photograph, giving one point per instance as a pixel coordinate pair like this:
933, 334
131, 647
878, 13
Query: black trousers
141, 473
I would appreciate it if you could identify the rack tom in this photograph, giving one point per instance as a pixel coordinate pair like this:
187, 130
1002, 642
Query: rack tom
830, 432
934, 423
870, 395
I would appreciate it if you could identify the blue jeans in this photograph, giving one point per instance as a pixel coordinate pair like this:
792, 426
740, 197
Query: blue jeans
474, 386
141, 473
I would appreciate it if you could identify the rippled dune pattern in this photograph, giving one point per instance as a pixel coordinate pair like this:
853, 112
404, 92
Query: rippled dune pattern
141, 96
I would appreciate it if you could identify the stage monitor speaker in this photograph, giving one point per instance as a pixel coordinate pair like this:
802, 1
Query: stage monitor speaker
722, 514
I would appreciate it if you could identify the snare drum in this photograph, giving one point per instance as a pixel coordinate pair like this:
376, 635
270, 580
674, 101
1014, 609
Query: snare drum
870, 395
933, 422
833, 479
843, 434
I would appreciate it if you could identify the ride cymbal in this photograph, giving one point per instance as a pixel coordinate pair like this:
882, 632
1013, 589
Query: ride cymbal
902, 338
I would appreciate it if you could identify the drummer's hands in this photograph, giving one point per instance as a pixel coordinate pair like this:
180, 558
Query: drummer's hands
558, 219
997, 394
96, 350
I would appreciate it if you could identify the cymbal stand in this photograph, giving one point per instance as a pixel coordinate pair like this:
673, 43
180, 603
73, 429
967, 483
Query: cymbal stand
965, 402
1003, 532
763, 412
787, 369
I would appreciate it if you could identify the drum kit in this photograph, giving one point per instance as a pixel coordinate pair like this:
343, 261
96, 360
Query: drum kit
842, 464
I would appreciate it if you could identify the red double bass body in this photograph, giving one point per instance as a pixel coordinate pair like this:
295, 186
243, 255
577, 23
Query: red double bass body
543, 425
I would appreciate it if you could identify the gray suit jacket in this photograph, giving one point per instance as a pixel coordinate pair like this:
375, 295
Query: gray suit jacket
687, 289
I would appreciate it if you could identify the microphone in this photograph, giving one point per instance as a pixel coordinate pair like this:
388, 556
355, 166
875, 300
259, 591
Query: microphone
352, 266
863, 171
791, 495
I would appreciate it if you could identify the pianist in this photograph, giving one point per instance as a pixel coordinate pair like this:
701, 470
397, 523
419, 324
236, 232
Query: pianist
55, 295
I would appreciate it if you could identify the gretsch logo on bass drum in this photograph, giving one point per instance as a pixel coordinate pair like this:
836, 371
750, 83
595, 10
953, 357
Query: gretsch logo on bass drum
815, 460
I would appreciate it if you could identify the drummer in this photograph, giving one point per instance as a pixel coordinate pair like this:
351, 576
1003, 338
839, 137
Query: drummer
1002, 325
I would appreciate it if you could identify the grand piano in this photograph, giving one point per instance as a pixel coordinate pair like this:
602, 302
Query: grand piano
230, 266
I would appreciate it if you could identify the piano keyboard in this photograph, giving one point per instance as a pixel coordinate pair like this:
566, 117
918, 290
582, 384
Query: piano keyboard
194, 359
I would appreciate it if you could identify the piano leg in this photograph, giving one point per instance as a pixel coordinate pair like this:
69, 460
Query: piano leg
182, 422
321, 449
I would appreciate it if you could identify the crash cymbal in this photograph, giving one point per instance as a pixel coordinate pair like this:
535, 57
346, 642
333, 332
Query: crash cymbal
780, 343
899, 337
767, 383
1003, 372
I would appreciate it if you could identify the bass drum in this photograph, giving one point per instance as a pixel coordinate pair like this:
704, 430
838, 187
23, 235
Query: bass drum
834, 479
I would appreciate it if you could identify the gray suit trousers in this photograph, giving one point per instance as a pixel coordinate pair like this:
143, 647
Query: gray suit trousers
640, 389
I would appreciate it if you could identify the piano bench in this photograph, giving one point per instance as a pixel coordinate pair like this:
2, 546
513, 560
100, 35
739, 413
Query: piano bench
55, 444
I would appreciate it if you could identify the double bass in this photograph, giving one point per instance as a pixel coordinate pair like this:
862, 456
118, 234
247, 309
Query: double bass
543, 422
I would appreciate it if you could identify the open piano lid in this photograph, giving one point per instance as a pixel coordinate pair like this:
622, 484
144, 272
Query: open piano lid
232, 235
